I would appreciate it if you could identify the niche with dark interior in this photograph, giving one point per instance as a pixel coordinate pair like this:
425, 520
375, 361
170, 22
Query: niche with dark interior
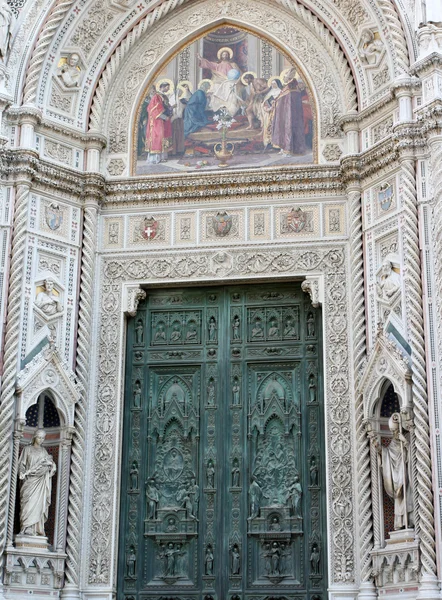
389, 405
43, 415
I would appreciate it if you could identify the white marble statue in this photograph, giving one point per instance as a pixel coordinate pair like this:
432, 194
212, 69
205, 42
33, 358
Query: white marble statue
47, 301
370, 47
70, 71
394, 460
6, 20
36, 467
389, 280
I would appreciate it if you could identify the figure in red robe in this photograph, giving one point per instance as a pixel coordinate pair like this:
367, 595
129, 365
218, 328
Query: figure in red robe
159, 126
288, 121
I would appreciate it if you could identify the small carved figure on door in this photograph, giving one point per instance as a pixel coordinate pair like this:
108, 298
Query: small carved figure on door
153, 497
315, 558
235, 560
213, 330
134, 476
137, 394
273, 329
192, 333
236, 392
275, 525
313, 471
211, 392
175, 336
131, 563
139, 332
209, 560
257, 331
312, 388
289, 329
236, 324
255, 493
210, 474
310, 325
294, 497
235, 473
160, 334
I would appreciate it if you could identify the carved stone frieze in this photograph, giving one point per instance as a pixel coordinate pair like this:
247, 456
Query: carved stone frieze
204, 266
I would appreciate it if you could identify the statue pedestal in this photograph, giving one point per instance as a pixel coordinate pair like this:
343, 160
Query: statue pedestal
31, 568
396, 565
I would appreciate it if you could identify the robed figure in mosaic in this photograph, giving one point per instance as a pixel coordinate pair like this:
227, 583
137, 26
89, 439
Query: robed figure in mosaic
36, 467
159, 126
288, 120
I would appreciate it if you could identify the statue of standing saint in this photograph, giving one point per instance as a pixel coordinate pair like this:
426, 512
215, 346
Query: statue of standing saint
36, 467
394, 460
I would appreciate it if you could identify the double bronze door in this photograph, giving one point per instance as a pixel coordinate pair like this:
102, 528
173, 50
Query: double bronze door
223, 487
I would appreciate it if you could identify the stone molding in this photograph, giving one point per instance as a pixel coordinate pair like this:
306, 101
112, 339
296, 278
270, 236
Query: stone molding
159, 267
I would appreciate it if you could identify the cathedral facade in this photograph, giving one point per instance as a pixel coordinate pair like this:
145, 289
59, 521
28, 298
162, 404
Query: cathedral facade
220, 330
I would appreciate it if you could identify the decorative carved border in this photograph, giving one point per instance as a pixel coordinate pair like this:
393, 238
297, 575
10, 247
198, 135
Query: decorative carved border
117, 273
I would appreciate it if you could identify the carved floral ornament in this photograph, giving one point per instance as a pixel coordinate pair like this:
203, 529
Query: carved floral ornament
327, 264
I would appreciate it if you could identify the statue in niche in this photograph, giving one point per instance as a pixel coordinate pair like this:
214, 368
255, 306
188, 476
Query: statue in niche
6, 22
134, 476
255, 493
257, 331
370, 47
313, 471
153, 497
191, 334
160, 334
208, 562
184, 497
312, 388
389, 280
175, 336
235, 560
310, 325
395, 463
69, 71
235, 473
194, 492
48, 301
236, 324
139, 332
273, 329
294, 497
275, 559
290, 329
137, 394
315, 558
211, 392
170, 556
210, 474
275, 525
36, 468
131, 563
213, 330
171, 525
235, 392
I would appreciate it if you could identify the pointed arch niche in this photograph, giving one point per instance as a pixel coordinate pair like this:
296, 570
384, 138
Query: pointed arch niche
228, 97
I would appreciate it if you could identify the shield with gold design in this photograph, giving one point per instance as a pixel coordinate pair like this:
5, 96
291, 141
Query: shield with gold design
296, 220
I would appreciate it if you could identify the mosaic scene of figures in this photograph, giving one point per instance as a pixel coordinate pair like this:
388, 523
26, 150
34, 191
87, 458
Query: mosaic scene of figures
229, 99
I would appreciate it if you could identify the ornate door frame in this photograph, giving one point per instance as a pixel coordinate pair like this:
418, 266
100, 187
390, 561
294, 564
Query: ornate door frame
325, 271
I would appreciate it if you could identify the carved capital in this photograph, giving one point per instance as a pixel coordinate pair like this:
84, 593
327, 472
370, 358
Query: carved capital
313, 286
131, 298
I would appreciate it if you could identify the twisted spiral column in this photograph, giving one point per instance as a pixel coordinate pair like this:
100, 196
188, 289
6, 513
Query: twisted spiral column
12, 340
415, 321
359, 351
398, 43
46, 36
76, 487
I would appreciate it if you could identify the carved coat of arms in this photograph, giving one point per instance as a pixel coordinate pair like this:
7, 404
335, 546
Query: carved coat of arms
53, 216
222, 224
296, 220
149, 228
385, 196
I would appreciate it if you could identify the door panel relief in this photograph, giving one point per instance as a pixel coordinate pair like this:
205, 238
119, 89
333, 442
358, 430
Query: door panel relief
223, 477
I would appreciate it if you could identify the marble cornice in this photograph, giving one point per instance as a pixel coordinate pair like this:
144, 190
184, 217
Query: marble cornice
429, 118
357, 167
359, 119
421, 67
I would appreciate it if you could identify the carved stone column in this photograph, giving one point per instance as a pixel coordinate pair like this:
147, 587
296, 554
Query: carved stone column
423, 492
18, 434
11, 347
93, 195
